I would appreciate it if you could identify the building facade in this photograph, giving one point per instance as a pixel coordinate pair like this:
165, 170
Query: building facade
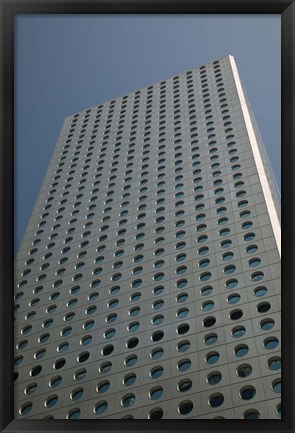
148, 279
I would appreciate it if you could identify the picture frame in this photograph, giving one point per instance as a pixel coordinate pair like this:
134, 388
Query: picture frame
9, 10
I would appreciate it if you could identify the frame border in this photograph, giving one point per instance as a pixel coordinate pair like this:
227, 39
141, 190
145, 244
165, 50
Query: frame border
8, 10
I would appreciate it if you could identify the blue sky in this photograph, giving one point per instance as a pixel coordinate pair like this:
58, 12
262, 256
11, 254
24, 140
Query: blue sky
66, 63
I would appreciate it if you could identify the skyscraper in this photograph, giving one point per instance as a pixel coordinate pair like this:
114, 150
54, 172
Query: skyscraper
148, 280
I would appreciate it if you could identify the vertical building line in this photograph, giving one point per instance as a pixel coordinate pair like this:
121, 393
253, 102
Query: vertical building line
275, 223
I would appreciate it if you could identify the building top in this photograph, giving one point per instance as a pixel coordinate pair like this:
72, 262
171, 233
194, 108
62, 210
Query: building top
157, 83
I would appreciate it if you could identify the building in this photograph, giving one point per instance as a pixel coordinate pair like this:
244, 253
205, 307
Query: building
148, 280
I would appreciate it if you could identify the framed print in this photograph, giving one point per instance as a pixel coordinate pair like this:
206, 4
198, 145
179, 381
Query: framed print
141, 216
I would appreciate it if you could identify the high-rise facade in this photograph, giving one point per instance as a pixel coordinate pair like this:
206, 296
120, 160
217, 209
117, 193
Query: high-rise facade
148, 280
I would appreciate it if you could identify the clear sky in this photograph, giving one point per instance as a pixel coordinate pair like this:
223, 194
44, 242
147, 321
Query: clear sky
67, 63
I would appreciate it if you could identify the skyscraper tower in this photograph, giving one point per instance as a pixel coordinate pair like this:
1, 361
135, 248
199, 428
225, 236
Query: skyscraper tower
148, 279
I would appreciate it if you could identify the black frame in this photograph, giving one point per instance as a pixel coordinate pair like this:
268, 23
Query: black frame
8, 10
